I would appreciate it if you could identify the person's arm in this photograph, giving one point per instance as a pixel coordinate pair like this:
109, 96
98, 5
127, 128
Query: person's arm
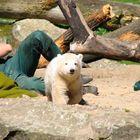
5, 49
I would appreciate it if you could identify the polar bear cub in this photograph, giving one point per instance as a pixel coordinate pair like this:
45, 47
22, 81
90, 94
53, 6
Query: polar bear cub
63, 83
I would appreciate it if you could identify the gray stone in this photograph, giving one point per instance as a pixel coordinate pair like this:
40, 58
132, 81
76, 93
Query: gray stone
38, 119
24, 27
3, 131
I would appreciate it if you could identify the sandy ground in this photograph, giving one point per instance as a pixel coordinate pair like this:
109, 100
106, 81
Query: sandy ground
115, 85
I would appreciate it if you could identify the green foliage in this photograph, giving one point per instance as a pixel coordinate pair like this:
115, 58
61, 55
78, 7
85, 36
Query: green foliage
64, 26
5, 33
129, 1
4, 29
101, 31
128, 62
7, 21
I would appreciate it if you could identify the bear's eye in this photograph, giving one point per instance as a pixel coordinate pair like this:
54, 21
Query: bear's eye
66, 63
75, 64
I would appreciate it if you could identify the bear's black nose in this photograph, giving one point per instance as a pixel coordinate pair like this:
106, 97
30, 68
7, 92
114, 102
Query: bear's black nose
72, 71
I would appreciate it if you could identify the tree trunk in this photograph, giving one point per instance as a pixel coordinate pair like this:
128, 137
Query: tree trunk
93, 21
86, 42
109, 48
97, 4
130, 32
20, 9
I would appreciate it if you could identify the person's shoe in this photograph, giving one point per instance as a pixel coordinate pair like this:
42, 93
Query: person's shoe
86, 79
90, 89
137, 86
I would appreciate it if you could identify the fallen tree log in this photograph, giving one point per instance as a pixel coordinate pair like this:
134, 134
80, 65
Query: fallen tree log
21, 9
133, 9
93, 21
130, 32
109, 48
39, 9
86, 42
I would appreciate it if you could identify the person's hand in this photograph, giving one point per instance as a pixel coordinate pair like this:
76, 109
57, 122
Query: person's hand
5, 49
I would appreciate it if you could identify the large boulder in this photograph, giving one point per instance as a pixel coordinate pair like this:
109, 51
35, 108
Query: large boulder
24, 27
37, 119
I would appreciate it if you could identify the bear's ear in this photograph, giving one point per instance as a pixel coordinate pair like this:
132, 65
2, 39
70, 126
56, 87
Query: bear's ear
80, 56
58, 55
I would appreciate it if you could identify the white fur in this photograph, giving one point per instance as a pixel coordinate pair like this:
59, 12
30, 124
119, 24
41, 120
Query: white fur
63, 80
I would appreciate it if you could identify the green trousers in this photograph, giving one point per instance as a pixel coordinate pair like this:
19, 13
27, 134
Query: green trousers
21, 67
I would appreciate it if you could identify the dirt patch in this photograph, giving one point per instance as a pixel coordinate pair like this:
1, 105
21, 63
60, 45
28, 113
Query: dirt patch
115, 84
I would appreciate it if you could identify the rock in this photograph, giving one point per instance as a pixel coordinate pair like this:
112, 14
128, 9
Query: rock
24, 27
37, 119
56, 16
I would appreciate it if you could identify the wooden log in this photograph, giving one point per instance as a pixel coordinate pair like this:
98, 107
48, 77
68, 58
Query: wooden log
42, 62
109, 48
105, 47
129, 36
129, 32
134, 9
21, 9
93, 21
